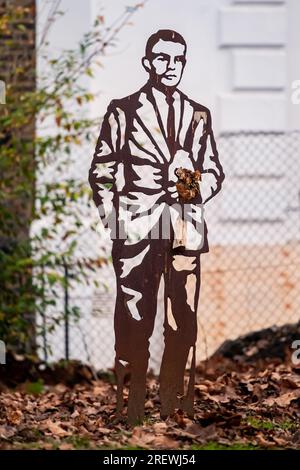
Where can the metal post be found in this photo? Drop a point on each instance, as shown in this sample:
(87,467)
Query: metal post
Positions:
(44,331)
(66,289)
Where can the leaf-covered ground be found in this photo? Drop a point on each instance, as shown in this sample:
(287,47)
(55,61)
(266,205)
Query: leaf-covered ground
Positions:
(238,406)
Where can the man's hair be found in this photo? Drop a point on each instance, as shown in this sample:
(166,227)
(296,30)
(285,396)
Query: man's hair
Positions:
(165,35)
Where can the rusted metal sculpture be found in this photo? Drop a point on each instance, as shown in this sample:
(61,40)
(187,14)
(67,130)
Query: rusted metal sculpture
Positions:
(155,166)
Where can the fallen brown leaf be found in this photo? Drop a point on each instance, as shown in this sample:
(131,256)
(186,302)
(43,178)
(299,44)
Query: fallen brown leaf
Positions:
(56,429)
(14,417)
(283,400)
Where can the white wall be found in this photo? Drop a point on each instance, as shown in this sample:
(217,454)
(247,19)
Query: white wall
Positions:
(204,75)
(242,58)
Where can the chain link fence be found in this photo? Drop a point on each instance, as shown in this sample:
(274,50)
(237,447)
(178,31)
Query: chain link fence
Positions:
(250,277)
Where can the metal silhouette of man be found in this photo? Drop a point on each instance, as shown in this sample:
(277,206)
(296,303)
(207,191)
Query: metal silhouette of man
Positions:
(144,138)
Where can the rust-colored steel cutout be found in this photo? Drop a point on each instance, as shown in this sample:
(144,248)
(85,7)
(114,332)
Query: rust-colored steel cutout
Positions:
(154,168)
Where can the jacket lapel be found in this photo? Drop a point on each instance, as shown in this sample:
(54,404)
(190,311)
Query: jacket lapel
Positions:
(152,121)
(149,118)
(187,114)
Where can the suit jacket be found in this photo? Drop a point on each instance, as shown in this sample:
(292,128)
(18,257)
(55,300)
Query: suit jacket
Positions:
(133,169)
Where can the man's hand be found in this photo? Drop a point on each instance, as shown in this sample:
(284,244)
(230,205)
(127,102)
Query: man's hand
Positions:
(182,158)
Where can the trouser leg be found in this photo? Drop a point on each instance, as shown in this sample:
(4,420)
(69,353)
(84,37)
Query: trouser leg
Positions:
(182,287)
(135,311)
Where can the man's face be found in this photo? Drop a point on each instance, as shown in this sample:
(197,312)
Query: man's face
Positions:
(167,62)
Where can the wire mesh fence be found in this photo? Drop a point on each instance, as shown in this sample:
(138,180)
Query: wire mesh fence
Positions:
(250,279)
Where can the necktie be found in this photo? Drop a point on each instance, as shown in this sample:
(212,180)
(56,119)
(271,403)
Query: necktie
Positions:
(171,125)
